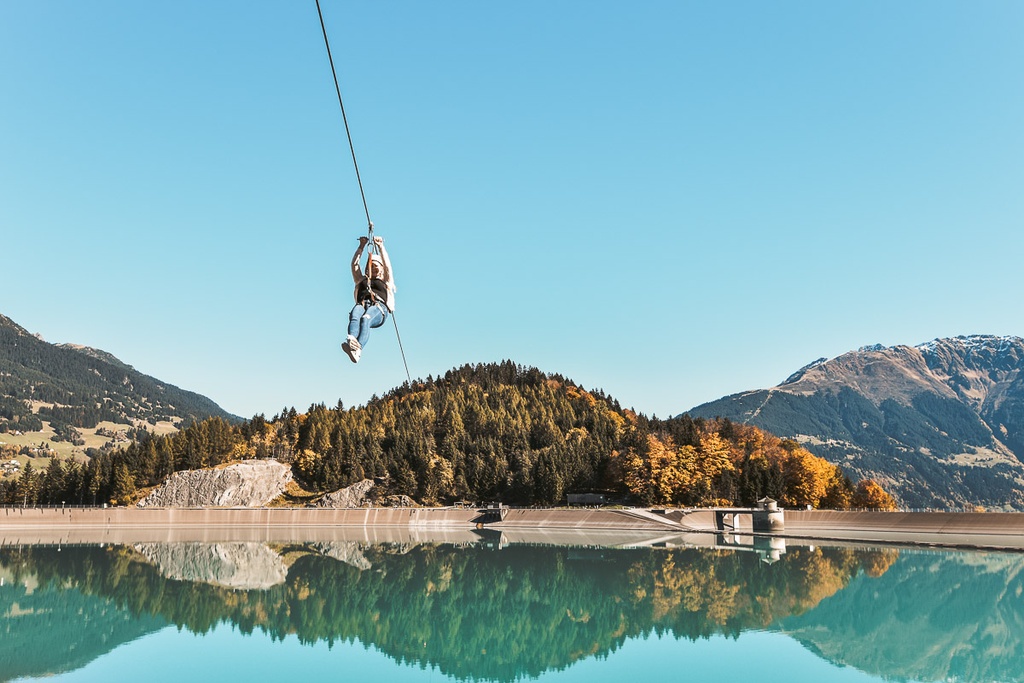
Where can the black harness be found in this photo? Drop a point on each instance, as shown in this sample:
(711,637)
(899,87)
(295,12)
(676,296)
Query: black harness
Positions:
(375,291)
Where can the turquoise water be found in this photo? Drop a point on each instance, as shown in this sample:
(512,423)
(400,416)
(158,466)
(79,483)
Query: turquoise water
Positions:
(494,611)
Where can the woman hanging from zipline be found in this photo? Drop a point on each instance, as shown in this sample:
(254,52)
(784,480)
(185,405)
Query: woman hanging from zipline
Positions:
(374,295)
(375,285)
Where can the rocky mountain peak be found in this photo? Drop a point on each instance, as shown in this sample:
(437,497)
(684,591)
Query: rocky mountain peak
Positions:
(897,372)
(977,367)
(987,347)
(941,423)
(7,322)
(971,368)
(798,375)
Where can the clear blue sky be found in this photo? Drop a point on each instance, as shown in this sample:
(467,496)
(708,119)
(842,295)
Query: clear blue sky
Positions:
(671,201)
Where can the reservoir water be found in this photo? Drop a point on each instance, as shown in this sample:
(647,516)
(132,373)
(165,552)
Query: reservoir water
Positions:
(484,606)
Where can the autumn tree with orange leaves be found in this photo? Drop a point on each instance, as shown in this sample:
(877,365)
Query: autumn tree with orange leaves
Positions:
(872,496)
(719,463)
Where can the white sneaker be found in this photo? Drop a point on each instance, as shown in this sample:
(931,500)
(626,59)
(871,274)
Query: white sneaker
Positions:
(352,348)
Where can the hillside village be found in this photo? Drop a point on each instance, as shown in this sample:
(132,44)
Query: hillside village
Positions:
(18,448)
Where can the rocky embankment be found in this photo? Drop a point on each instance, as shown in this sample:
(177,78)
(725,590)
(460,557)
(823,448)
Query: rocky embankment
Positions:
(251,483)
(354,496)
(360,495)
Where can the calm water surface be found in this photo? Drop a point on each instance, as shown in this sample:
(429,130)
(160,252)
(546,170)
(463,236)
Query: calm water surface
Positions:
(487,609)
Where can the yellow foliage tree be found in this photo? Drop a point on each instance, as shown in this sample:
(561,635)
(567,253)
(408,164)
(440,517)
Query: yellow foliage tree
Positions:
(808,478)
(704,465)
(839,492)
(872,496)
(305,463)
(655,476)
(715,455)
(666,477)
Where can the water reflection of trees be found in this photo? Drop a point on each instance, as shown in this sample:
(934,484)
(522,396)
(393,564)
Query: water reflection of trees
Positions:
(931,617)
(476,612)
(48,630)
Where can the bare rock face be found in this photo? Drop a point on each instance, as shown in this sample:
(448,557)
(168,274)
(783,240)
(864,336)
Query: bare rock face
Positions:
(245,566)
(251,483)
(353,496)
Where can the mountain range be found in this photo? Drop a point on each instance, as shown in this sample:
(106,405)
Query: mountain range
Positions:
(73,387)
(940,424)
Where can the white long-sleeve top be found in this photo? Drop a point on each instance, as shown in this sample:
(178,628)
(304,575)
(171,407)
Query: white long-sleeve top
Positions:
(382,288)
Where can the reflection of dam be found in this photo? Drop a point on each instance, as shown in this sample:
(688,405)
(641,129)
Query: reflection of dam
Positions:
(769,548)
(765,518)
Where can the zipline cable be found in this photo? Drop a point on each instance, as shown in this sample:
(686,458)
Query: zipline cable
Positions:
(348,133)
(359,180)
(395,321)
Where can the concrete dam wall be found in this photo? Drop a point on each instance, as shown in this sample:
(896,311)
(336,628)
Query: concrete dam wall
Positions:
(988,530)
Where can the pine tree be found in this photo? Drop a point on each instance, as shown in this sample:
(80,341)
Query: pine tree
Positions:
(27,489)
(124,485)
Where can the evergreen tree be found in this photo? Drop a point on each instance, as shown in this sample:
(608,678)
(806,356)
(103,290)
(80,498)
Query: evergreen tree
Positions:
(124,485)
(27,490)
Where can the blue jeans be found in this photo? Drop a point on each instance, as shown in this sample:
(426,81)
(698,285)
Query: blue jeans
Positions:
(364,318)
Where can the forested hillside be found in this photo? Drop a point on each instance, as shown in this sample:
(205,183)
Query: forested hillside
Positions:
(78,387)
(496,432)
